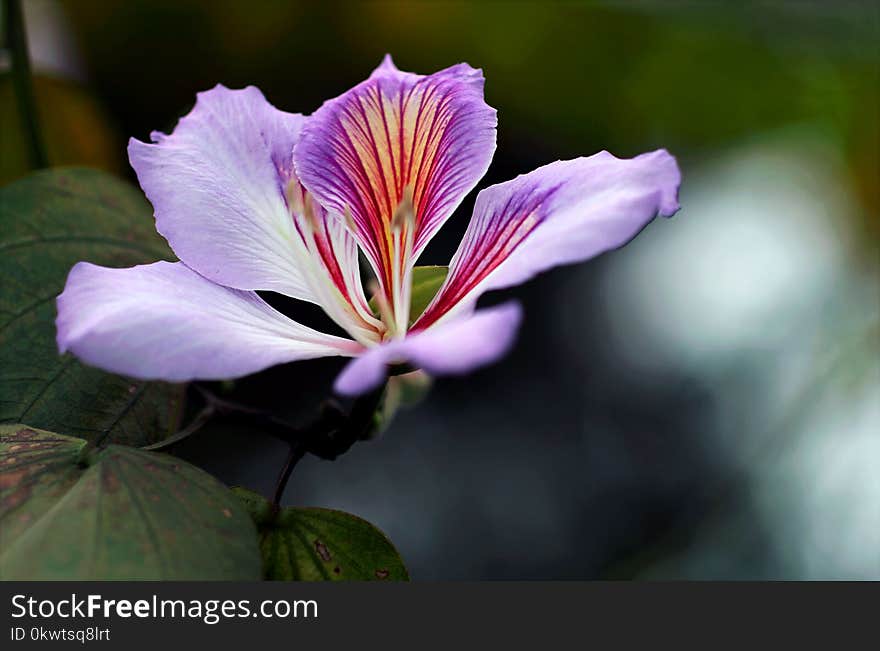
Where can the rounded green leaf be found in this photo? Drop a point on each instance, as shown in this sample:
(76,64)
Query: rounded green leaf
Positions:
(68,511)
(48,222)
(312,544)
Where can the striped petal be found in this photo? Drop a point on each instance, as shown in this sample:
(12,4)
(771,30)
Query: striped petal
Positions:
(564,212)
(397,138)
(222,184)
(331,268)
(165,321)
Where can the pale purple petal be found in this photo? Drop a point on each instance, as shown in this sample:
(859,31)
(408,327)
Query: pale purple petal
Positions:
(564,212)
(165,321)
(217,185)
(451,348)
(359,152)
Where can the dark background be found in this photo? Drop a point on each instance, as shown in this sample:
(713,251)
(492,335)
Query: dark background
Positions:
(704,403)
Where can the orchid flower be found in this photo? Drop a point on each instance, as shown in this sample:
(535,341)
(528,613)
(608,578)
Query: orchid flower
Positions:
(252,198)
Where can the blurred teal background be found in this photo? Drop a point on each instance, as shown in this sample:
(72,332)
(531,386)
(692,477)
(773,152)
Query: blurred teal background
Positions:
(704,403)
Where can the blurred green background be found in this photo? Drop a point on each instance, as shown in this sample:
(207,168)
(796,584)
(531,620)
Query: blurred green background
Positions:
(704,403)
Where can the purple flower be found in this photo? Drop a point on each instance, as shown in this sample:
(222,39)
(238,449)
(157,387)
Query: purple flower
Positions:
(251,198)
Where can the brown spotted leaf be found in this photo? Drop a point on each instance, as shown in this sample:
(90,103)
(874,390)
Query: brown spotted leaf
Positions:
(48,222)
(71,512)
(311,544)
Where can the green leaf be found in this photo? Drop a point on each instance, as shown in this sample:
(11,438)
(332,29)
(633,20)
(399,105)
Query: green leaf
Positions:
(71,512)
(425,283)
(48,222)
(311,544)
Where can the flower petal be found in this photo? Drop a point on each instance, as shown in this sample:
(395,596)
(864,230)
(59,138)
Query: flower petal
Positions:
(165,321)
(227,200)
(452,348)
(217,185)
(564,212)
(361,151)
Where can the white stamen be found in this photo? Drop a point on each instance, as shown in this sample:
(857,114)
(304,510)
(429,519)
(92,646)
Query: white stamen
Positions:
(403,225)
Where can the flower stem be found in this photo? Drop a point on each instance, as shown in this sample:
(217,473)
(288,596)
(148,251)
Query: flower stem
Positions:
(297,451)
(16,42)
(331,434)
